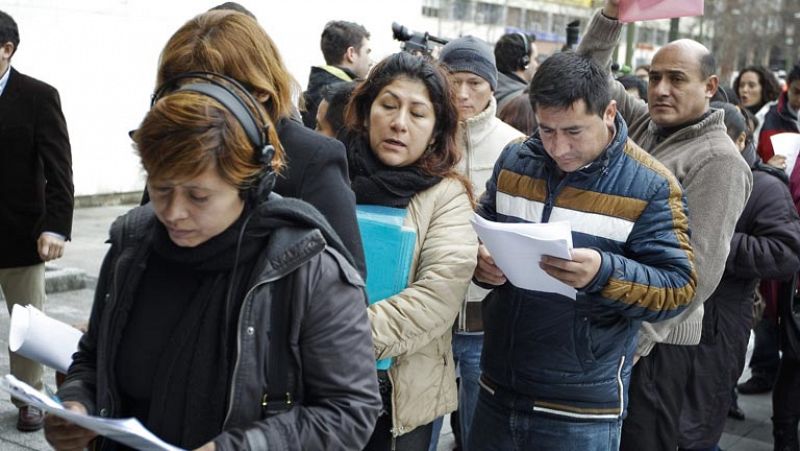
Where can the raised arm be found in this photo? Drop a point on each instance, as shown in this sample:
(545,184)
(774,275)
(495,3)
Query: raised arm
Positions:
(598,43)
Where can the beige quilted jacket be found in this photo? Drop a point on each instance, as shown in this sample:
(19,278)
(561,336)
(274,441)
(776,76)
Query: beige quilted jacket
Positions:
(414,327)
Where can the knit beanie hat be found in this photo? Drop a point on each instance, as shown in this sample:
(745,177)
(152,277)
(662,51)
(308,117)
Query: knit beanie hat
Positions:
(470,54)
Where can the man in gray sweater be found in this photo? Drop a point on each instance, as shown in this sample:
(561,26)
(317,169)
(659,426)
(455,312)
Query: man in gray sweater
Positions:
(677,127)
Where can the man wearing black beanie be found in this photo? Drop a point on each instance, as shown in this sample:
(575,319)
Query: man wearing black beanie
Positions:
(481,137)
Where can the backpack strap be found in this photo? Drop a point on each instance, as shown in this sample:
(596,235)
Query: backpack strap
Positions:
(131,227)
(281,393)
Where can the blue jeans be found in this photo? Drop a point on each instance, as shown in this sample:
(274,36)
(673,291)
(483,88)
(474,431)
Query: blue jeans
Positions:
(500,428)
(467,355)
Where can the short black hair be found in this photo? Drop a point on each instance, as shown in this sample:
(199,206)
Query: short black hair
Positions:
(725,94)
(8,31)
(338,36)
(233,6)
(634,82)
(338,96)
(566,77)
(794,74)
(510,49)
(708,65)
(734,120)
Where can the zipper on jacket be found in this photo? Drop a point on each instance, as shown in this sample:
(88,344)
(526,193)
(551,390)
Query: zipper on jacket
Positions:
(552,193)
(468,151)
(239,337)
(620,386)
(394,430)
(513,327)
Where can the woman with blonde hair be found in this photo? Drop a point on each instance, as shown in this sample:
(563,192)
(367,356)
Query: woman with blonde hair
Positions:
(235,45)
(225,317)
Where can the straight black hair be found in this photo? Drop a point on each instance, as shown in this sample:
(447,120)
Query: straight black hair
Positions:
(8,31)
(565,78)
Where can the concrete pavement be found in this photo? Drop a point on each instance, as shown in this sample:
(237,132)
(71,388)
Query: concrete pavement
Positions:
(82,261)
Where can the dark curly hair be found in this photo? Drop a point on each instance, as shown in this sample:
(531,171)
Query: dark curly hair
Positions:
(770,88)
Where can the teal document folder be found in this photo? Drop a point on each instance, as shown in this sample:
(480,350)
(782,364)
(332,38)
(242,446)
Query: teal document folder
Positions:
(388,249)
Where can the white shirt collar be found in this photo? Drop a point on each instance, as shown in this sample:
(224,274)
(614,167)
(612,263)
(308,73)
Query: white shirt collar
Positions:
(4,79)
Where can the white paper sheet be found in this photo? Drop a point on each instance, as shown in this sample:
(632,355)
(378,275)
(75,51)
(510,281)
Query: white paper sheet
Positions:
(127,431)
(34,335)
(788,145)
(517,249)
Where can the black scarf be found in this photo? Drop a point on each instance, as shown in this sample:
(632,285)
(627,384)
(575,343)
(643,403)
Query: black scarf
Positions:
(754,109)
(190,399)
(377,184)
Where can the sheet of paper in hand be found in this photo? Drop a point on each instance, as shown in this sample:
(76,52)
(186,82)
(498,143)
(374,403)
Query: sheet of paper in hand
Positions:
(517,249)
(788,145)
(128,431)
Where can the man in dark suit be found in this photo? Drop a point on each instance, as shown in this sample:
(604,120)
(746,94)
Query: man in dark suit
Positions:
(36,195)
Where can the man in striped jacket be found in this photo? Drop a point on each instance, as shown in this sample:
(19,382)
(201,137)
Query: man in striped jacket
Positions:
(556,371)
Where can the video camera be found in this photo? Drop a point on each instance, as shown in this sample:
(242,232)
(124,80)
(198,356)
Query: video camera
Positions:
(416,43)
(573,30)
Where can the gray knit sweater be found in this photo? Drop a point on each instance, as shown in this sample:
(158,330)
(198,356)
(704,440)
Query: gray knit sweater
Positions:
(716,180)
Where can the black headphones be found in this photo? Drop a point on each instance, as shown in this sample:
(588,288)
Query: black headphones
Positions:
(526,58)
(241,104)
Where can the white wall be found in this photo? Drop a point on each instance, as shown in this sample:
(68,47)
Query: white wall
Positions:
(101,55)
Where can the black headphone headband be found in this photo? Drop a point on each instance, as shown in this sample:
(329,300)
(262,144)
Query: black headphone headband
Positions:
(525,44)
(242,105)
(222,92)
(525,59)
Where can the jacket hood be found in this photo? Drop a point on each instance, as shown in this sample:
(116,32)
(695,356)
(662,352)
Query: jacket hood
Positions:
(294,225)
(508,86)
(295,230)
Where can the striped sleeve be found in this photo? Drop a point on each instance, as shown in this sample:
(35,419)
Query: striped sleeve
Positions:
(655,278)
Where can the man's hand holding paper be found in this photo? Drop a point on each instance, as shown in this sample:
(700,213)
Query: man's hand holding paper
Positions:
(513,251)
(487,271)
(578,272)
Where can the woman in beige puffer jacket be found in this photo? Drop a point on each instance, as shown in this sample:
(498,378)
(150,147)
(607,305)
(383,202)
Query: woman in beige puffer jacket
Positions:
(402,153)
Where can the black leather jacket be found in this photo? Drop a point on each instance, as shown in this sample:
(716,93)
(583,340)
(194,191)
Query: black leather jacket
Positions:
(329,337)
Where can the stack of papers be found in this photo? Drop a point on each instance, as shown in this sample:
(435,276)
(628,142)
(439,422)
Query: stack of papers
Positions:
(517,249)
(128,431)
(388,250)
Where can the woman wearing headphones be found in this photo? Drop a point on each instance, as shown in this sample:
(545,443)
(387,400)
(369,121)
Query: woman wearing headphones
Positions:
(234,44)
(216,293)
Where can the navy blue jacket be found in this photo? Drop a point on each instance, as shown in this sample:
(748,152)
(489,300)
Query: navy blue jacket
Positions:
(573,358)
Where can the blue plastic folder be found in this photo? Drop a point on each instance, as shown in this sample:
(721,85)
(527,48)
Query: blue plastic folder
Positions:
(388,249)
